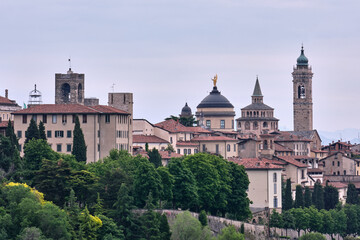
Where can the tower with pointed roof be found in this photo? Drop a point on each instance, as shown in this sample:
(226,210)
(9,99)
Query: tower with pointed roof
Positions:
(302,94)
(257,118)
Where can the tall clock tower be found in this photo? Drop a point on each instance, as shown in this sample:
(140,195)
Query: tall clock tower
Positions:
(302,99)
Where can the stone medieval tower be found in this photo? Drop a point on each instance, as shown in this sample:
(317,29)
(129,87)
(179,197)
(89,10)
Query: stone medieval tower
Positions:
(302,89)
(69,88)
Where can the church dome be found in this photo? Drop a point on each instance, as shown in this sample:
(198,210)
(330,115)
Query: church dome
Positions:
(215,100)
(186,111)
(302,59)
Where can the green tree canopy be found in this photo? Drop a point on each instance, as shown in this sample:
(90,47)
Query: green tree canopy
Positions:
(299,197)
(307,197)
(331,197)
(42,134)
(155,157)
(318,196)
(230,233)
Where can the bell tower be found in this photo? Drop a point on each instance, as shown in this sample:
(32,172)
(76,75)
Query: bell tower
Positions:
(69,88)
(302,98)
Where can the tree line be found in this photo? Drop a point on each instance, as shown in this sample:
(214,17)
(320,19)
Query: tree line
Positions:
(96,200)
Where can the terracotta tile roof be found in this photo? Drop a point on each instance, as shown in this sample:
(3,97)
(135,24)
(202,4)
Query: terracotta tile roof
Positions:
(172,126)
(319,151)
(254,163)
(4,124)
(311,170)
(282,136)
(108,109)
(186,143)
(212,138)
(166,155)
(281,148)
(198,130)
(291,160)
(6,101)
(68,108)
(148,139)
(336,184)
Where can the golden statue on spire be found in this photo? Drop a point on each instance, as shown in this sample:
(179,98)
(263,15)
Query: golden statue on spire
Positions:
(215,80)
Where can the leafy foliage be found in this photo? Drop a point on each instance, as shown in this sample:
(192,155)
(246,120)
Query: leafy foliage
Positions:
(288,201)
(79,146)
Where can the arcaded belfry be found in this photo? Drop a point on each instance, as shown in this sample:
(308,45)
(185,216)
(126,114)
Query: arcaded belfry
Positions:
(215,112)
(303,106)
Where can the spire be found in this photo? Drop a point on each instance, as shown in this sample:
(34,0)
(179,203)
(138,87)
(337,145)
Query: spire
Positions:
(257,89)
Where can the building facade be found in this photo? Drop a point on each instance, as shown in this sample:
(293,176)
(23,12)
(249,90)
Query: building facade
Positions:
(104,127)
(69,87)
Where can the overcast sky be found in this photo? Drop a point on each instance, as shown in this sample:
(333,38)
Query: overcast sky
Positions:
(166,52)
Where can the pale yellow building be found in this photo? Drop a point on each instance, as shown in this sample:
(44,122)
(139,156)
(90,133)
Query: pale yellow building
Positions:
(104,127)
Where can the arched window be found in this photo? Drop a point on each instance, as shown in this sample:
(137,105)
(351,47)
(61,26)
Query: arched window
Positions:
(80,93)
(65,92)
(265,124)
(265,144)
(255,125)
(301,91)
(247,125)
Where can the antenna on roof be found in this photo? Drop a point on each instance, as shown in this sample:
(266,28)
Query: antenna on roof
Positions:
(69,60)
(113,87)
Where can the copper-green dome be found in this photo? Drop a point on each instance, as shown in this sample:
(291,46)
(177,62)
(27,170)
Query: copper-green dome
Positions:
(302,60)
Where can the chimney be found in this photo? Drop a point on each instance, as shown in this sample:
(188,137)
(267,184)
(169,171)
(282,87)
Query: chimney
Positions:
(6,93)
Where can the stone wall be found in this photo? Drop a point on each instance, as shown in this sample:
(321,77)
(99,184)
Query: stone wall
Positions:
(252,231)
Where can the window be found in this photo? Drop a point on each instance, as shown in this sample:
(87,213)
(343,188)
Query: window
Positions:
(275,202)
(19,134)
(255,125)
(338,164)
(19,148)
(73,118)
(68,133)
(234,147)
(68,147)
(59,134)
(333,163)
(171,141)
(99,133)
(274,177)
(203,148)
(48,134)
(344,172)
(107,118)
(24,118)
(99,147)
(54,118)
(247,125)
(58,147)
(302,174)
(222,124)
(196,151)
(217,148)
(64,119)
(265,125)
(228,147)
(44,118)
(275,188)
(34,117)
(208,123)
(178,151)
(189,151)
(185,151)
(232,124)
(84,118)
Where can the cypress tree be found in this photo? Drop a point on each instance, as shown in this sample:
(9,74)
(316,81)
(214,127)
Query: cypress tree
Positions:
(288,201)
(10,133)
(299,198)
(331,197)
(32,131)
(164,228)
(79,147)
(352,194)
(318,196)
(155,157)
(203,218)
(307,197)
(42,134)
